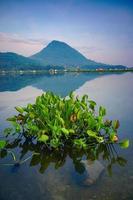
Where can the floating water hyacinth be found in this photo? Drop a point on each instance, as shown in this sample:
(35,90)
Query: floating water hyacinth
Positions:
(56,122)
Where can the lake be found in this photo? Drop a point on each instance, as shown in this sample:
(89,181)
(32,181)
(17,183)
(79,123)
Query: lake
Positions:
(67,175)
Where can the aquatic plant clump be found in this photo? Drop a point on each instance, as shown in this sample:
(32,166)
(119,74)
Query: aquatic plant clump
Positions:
(56,122)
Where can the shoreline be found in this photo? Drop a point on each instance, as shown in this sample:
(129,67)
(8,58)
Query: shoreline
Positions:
(55,71)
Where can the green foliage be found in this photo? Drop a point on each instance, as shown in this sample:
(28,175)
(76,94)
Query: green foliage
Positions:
(116,124)
(19,109)
(56,121)
(102,111)
(94,135)
(2,144)
(80,143)
(43,138)
(124,144)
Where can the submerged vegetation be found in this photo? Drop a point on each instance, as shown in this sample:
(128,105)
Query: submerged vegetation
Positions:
(38,154)
(57,122)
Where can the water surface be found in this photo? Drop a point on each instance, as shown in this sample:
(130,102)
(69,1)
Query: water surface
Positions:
(62,176)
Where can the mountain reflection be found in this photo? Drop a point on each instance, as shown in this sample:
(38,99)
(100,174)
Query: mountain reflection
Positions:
(61,83)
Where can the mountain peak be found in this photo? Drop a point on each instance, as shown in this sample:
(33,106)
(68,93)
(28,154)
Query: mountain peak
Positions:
(56,43)
(61,54)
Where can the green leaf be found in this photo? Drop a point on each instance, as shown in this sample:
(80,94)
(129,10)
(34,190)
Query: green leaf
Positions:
(116,124)
(33,127)
(100,139)
(38,100)
(102,111)
(11,119)
(2,144)
(65,131)
(31,115)
(124,144)
(84,106)
(80,143)
(19,109)
(112,135)
(71,95)
(43,138)
(29,106)
(54,143)
(71,131)
(92,104)
(16,126)
(108,123)
(84,97)
(61,120)
(91,133)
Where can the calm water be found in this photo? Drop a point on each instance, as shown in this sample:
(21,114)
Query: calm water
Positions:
(64,175)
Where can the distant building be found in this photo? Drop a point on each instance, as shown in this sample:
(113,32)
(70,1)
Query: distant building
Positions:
(100,69)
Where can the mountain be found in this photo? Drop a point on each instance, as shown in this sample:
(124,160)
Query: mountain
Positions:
(60,53)
(13,61)
(57,55)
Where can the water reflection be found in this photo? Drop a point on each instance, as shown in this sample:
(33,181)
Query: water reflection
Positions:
(61,83)
(91,162)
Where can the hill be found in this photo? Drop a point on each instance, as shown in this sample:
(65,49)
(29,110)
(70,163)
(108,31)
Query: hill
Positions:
(57,55)
(13,61)
(60,53)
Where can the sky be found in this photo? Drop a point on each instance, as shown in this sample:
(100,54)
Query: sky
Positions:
(102,30)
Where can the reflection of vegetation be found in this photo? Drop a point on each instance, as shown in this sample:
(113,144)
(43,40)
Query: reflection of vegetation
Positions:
(56,121)
(40,155)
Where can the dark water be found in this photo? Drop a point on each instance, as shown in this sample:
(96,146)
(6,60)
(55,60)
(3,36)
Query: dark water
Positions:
(63,175)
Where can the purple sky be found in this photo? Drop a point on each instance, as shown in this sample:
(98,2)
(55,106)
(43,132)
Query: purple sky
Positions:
(101,30)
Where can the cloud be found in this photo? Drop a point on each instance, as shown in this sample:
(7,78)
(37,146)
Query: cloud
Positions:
(90,49)
(17,39)
(18,44)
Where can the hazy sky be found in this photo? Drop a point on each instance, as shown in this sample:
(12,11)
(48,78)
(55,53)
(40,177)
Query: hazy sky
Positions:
(100,29)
